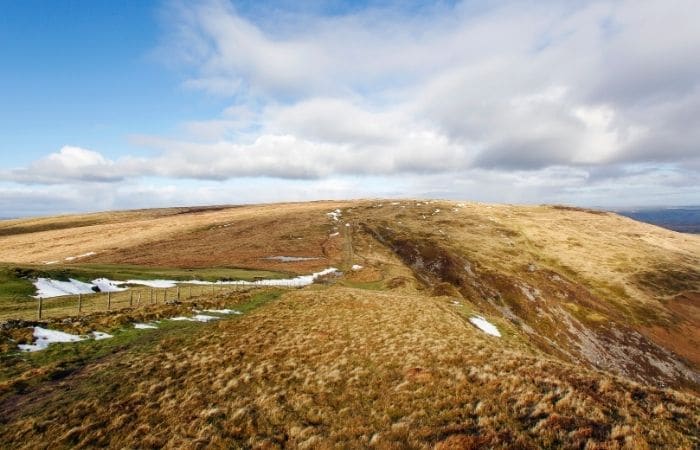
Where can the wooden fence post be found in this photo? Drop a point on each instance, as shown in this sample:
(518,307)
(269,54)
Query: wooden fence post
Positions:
(131,298)
(41,301)
(109,301)
(138,299)
(178,293)
(80,303)
(150,299)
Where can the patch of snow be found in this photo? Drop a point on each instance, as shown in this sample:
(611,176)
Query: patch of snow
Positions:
(204,318)
(291,258)
(223,311)
(485,326)
(50,262)
(333,234)
(44,337)
(347,224)
(159,284)
(356,267)
(46,287)
(99,335)
(145,326)
(334,215)
(106,285)
(182,319)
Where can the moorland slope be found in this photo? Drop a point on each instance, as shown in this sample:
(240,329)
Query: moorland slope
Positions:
(599,318)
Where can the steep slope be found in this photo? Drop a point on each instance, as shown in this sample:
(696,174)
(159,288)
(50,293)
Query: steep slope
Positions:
(586,286)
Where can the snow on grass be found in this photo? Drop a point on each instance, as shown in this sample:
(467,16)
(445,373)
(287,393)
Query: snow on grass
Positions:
(195,318)
(356,267)
(106,285)
(485,326)
(84,255)
(44,337)
(47,287)
(334,234)
(50,262)
(291,258)
(334,215)
(223,311)
(205,318)
(145,326)
(158,284)
(99,335)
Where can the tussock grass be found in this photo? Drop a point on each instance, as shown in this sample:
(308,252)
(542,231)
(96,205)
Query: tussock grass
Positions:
(347,368)
(384,357)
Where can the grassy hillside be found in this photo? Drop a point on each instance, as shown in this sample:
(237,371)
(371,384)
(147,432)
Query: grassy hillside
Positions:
(347,368)
(599,318)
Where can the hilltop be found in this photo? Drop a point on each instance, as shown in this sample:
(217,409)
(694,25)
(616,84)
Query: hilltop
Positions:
(598,318)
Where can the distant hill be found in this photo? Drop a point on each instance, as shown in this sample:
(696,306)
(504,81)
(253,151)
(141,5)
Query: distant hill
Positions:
(685,220)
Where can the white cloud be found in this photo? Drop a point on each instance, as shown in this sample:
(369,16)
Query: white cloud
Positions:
(68,164)
(511,99)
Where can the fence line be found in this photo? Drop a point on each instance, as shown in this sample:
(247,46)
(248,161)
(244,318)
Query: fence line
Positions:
(87,303)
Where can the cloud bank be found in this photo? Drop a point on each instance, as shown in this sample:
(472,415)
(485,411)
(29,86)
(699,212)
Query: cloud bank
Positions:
(561,101)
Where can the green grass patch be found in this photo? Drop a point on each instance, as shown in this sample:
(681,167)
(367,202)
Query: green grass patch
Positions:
(87,272)
(61,359)
(16,287)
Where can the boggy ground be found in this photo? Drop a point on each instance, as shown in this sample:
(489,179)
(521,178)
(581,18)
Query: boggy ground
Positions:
(337,367)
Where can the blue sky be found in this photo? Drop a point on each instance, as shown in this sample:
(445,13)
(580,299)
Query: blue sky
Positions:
(110,105)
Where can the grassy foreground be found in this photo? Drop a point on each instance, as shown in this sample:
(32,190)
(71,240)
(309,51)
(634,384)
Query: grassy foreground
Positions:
(340,367)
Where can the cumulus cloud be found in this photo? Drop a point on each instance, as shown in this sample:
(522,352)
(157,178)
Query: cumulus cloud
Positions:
(524,99)
(68,164)
(527,86)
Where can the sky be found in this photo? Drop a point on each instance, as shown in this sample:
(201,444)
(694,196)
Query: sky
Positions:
(117,105)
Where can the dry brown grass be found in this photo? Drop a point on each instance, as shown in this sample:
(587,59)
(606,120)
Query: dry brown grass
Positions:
(616,300)
(384,356)
(348,368)
(231,237)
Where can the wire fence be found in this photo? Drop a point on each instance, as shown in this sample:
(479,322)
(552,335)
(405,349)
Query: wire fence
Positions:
(134,297)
